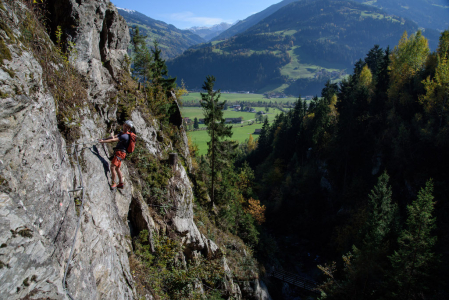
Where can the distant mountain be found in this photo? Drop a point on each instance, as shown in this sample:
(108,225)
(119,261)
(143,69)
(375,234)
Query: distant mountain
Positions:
(295,49)
(209,33)
(172,41)
(252,20)
(427,13)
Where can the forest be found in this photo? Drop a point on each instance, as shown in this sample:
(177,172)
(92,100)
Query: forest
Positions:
(360,176)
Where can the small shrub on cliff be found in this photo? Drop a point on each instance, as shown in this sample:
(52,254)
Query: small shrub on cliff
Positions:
(164,273)
(153,174)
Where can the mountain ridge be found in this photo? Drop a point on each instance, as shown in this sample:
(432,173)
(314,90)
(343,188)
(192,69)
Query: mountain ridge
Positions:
(209,32)
(426,13)
(172,40)
(301,45)
(243,25)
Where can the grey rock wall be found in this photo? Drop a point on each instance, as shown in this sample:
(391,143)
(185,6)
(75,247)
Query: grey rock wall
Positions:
(38,215)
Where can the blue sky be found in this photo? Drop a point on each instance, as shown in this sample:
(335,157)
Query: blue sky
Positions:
(188,13)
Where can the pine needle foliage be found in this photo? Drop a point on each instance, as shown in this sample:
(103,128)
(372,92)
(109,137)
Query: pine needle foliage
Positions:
(216,128)
(415,256)
(382,213)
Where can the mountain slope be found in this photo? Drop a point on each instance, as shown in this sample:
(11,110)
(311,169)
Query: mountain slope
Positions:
(297,48)
(172,41)
(209,33)
(427,13)
(252,20)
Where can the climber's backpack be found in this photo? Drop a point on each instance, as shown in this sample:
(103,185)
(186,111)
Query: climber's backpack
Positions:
(132,142)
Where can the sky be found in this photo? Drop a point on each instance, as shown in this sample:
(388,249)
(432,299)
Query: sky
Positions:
(188,13)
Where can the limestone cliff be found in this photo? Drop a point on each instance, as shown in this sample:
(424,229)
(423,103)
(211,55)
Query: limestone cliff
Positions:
(38,214)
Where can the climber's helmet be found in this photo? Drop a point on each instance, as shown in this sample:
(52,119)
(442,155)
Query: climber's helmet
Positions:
(130,124)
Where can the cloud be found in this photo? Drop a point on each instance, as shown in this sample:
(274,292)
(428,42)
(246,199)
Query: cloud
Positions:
(187,16)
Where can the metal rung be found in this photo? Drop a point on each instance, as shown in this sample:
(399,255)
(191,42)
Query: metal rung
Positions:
(76,190)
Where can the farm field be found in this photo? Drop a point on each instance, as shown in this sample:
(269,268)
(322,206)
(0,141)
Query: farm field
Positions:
(240,133)
(197,112)
(232,97)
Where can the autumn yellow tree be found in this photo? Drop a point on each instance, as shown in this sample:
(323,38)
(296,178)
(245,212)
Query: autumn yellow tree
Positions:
(407,59)
(437,88)
(251,143)
(366,77)
(256,210)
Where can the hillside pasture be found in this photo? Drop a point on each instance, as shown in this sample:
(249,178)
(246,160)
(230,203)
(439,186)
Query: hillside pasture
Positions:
(240,134)
(237,97)
(240,131)
(197,112)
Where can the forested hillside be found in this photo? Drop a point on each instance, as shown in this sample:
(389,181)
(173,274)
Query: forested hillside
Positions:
(359,177)
(295,50)
(172,41)
(252,20)
(427,13)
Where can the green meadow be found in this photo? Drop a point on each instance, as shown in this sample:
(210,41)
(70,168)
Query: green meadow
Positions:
(197,112)
(241,132)
(233,97)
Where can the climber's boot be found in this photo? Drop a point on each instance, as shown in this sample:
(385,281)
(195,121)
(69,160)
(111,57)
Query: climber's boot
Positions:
(120,185)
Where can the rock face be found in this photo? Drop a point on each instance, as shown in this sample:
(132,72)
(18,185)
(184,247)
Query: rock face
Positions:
(38,214)
(37,169)
(101,39)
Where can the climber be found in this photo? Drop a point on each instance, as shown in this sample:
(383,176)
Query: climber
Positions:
(123,139)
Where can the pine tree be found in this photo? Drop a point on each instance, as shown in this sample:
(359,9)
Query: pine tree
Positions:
(195,123)
(216,128)
(137,39)
(381,215)
(374,59)
(142,60)
(159,70)
(413,261)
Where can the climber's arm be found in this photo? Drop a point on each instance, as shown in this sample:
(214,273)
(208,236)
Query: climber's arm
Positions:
(109,140)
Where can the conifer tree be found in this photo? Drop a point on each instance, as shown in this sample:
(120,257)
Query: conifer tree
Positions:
(216,128)
(374,59)
(412,262)
(142,60)
(159,70)
(195,123)
(381,215)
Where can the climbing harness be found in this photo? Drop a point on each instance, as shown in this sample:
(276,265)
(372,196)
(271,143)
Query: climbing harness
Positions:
(79,188)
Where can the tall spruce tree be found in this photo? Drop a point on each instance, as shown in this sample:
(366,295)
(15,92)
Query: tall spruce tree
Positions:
(195,123)
(159,70)
(216,128)
(381,215)
(142,58)
(412,262)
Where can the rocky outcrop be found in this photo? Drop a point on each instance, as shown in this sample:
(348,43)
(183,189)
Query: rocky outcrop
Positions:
(255,289)
(38,170)
(101,39)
